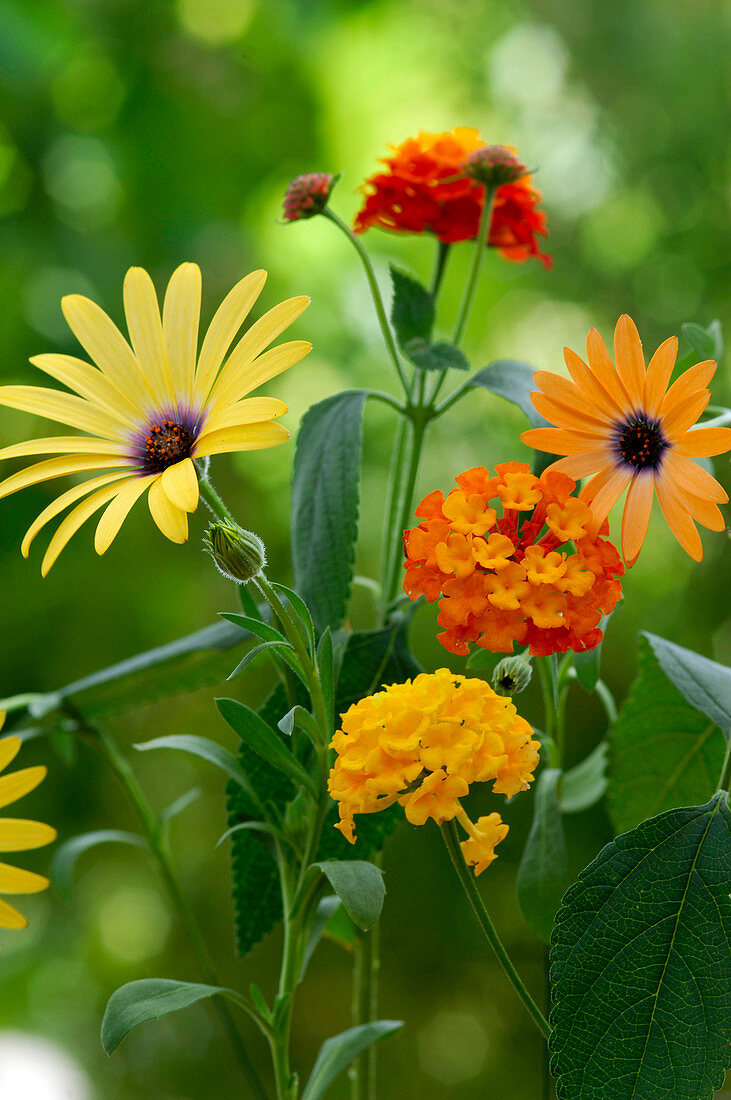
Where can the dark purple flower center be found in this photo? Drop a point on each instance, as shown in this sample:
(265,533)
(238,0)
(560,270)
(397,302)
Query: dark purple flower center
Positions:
(640,442)
(165,443)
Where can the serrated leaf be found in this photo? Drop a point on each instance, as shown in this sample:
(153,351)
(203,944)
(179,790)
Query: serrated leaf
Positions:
(641,983)
(150,999)
(325,499)
(67,854)
(439,356)
(359,885)
(543,872)
(704,683)
(585,784)
(412,309)
(263,740)
(663,752)
(513,380)
(339,1051)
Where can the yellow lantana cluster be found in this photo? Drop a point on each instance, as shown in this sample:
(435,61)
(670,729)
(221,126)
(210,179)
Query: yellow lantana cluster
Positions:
(422,744)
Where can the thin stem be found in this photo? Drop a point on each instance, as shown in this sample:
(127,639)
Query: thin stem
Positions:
(390,547)
(724,783)
(544,674)
(367,963)
(439,269)
(466,877)
(214,501)
(375,293)
(156,839)
(478,256)
(415,444)
(547,1089)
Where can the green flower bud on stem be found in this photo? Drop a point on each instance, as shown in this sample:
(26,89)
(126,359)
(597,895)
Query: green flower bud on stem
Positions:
(512,674)
(240,555)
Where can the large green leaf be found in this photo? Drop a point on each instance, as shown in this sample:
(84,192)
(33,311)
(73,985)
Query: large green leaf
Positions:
(663,752)
(359,885)
(641,982)
(325,498)
(412,309)
(543,872)
(704,683)
(339,1051)
(513,380)
(137,1002)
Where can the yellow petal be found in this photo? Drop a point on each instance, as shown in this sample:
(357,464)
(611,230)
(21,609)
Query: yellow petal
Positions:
(115,513)
(17,835)
(180,485)
(15,785)
(252,410)
(65,408)
(13,880)
(145,332)
(261,333)
(227,321)
(91,384)
(180,319)
(10,917)
(60,504)
(57,467)
(252,437)
(73,521)
(64,444)
(9,749)
(97,333)
(234,385)
(172,521)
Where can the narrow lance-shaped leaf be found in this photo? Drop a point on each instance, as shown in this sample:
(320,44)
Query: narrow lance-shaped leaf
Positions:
(338,1052)
(66,855)
(359,885)
(641,983)
(137,1002)
(325,498)
(704,683)
(585,784)
(260,737)
(543,873)
(203,748)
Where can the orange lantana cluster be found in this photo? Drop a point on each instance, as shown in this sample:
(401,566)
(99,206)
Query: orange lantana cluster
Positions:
(513,578)
(427,189)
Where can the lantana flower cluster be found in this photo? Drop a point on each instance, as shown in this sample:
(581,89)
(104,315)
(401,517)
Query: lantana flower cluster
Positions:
(509,578)
(421,744)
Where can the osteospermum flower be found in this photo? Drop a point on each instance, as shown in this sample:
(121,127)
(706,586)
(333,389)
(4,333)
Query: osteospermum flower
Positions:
(151,406)
(17,835)
(621,424)
(515,577)
(422,744)
(428,189)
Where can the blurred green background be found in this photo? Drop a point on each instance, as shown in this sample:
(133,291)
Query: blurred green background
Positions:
(151,133)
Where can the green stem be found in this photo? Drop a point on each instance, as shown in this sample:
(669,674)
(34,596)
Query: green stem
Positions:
(415,443)
(391,547)
(158,845)
(724,783)
(467,878)
(375,293)
(544,675)
(361,1013)
(478,256)
(439,269)
(214,501)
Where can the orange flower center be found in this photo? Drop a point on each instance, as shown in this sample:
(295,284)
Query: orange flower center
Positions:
(641,443)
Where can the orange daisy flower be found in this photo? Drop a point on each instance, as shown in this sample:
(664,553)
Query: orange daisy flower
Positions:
(623,425)
(427,190)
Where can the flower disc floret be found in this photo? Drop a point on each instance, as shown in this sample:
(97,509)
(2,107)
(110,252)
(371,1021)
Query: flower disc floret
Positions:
(541,574)
(422,743)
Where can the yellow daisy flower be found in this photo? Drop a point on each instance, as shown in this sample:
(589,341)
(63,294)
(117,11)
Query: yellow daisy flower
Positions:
(151,406)
(17,835)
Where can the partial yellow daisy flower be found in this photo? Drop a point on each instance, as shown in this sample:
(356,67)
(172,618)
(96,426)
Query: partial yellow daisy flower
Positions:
(151,405)
(17,835)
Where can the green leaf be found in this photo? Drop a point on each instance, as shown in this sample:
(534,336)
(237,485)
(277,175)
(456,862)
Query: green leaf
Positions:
(543,872)
(663,752)
(704,683)
(325,498)
(254,626)
(262,739)
(179,805)
(641,985)
(707,343)
(412,309)
(341,928)
(585,784)
(205,749)
(339,1051)
(257,651)
(439,356)
(150,999)
(326,909)
(513,380)
(359,885)
(66,855)
(587,664)
(301,613)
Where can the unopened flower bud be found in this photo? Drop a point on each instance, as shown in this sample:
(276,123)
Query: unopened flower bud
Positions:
(512,675)
(238,554)
(494,164)
(308,195)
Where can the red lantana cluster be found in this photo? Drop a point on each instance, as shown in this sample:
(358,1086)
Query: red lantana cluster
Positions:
(427,188)
(513,578)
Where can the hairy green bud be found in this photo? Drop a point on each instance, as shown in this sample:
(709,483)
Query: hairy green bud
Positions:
(512,675)
(240,555)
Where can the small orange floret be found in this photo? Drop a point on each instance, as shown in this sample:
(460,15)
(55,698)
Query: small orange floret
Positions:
(523,582)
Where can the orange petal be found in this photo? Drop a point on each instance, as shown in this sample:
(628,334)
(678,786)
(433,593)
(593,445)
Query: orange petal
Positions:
(605,371)
(677,516)
(636,515)
(629,359)
(704,512)
(658,374)
(695,378)
(685,414)
(589,385)
(693,478)
(567,393)
(565,416)
(609,493)
(592,462)
(560,442)
(704,442)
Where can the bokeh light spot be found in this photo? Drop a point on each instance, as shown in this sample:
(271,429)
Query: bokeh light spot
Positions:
(81,177)
(216,21)
(453,1047)
(133,924)
(621,232)
(35,1068)
(87,93)
(528,64)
